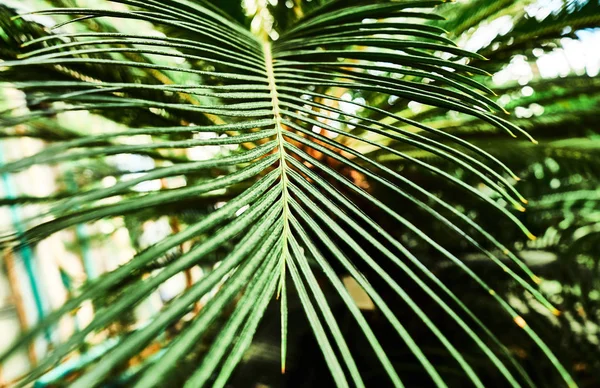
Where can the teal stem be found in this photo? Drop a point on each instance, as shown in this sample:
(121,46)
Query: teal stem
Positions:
(58,374)
(26,252)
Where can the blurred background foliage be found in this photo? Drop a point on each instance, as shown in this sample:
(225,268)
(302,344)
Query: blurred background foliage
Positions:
(544,62)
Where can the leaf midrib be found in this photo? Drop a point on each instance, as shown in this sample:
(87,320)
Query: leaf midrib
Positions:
(282,158)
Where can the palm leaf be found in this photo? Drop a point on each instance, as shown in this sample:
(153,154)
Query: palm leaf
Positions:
(277,101)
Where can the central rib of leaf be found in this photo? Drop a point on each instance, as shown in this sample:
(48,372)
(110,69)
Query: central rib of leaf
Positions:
(282,154)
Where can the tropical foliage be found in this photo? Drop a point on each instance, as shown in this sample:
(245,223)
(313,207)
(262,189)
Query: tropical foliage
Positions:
(306,145)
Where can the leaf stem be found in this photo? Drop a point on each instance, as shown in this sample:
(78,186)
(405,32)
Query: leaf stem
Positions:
(284,194)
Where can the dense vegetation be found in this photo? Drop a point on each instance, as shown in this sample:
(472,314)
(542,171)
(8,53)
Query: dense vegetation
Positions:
(377,193)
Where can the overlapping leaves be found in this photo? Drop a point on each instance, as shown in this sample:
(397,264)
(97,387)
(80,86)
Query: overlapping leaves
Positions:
(280,103)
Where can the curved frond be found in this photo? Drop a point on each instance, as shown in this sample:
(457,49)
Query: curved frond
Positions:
(294,170)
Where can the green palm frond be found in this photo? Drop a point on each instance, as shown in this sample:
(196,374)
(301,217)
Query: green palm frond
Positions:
(470,14)
(294,214)
(573,16)
(561,179)
(535,25)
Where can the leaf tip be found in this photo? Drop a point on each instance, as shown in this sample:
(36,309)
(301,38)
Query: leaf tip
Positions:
(520,321)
